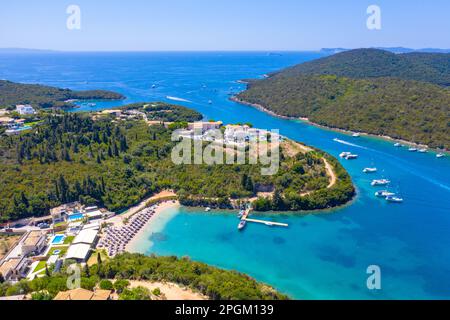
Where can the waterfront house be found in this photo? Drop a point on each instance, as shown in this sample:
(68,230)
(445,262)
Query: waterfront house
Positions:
(25,109)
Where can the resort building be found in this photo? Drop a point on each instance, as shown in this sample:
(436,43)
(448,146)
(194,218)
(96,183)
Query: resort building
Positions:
(60,213)
(33,243)
(87,236)
(83,294)
(14,269)
(204,126)
(25,109)
(82,244)
(93,213)
(79,252)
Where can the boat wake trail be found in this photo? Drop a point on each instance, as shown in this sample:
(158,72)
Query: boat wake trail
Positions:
(349,143)
(177,99)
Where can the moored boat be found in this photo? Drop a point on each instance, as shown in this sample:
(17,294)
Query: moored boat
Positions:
(394,199)
(412,149)
(370,170)
(423,150)
(356,135)
(208,209)
(345,154)
(397,145)
(440,155)
(384,194)
(242,224)
(380,182)
(351,157)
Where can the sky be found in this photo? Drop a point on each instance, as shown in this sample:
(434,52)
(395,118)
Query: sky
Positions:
(165,25)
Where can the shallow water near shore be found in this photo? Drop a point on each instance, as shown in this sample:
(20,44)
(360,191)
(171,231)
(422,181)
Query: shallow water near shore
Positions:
(321,256)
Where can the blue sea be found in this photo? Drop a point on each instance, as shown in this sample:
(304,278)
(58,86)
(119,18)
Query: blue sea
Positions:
(320,256)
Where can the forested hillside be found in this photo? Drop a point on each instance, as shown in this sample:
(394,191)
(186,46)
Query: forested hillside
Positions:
(117,163)
(39,96)
(365,90)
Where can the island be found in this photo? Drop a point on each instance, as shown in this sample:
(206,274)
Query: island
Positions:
(402,96)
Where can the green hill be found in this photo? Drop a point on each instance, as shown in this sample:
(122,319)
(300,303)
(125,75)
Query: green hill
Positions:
(365,90)
(41,96)
(375,63)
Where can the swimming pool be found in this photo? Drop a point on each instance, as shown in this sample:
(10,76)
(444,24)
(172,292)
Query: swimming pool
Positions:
(58,239)
(75,217)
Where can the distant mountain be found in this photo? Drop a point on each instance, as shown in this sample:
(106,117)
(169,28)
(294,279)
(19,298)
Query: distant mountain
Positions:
(375,63)
(24,50)
(405,96)
(390,49)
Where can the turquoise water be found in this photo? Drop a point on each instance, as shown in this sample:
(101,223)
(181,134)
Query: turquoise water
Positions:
(75,217)
(58,239)
(318,256)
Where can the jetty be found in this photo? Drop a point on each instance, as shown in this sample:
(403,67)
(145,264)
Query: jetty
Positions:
(245,217)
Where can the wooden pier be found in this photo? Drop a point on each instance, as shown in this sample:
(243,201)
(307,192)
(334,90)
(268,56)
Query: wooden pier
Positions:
(267,223)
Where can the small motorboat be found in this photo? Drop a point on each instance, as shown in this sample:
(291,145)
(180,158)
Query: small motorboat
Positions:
(241,214)
(423,150)
(397,145)
(345,154)
(370,170)
(412,149)
(208,209)
(356,135)
(380,182)
(351,157)
(210,102)
(394,199)
(440,155)
(242,224)
(384,194)
(154,86)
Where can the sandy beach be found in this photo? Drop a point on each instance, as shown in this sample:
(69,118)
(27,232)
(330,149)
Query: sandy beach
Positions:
(171,291)
(118,220)
(160,209)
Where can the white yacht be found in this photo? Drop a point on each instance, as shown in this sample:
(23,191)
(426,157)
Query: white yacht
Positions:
(370,170)
(208,209)
(397,145)
(440,155)
(345,154)
(412,149)
(423,150)
(380,182)
(356,135)
(384,194)
(394,199)
(351,157)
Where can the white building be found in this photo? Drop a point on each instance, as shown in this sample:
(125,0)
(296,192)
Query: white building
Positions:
(79,252)
(34,242)
(87,236)
(202,127)
(25,109)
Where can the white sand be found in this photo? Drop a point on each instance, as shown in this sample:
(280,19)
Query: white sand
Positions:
(162,208)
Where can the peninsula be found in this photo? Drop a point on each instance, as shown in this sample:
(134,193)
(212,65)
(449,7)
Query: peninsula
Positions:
(403,96)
